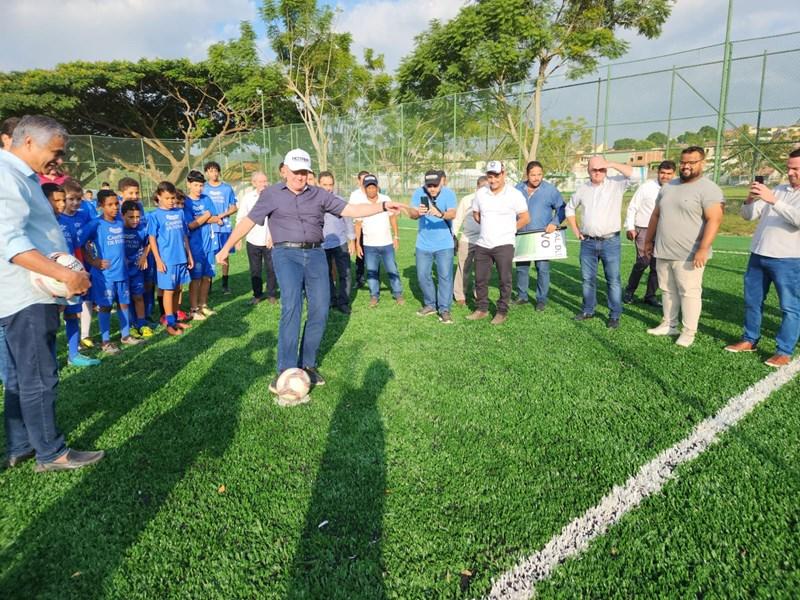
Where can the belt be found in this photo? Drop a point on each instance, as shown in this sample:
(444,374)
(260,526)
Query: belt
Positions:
(600,238)
(302,245)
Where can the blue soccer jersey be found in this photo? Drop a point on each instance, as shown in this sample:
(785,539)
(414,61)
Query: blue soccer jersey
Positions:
(201,240)
(109,244)
(87,210)
(135,243)
(223,197)
(70,233)
(169,228)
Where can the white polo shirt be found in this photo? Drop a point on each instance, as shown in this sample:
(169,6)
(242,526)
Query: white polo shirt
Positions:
(258,235)
(602,206)
(377,229)
(498,213)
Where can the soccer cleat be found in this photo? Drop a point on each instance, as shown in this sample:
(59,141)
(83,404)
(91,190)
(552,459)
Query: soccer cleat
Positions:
(209,312)
(87,343)
(135,333)
(426,311)
(743,346)
(131,341)
(181,316)
(446,318)
(663,329)
(163,320)
(777,361)
(316,378)
(146,331)
(80,360)
(174,330)
(109,348)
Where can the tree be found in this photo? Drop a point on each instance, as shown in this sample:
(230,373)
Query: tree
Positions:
(318,68)
(625,144)
(658,139)
(562,144)
(154,101)
(493,43)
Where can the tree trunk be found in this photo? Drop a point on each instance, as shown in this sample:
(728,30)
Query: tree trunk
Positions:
(537,110)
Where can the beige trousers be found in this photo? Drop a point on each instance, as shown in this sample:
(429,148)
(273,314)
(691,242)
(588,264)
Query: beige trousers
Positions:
(466,263)
(681,286)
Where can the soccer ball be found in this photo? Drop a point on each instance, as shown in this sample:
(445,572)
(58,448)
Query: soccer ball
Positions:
(51,286)
(293,386)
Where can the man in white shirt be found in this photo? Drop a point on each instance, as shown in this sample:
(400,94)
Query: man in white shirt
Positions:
(774,259)
(500,209)
(259,244)
(466,243)
(601,199)
(636,221)
(380,240)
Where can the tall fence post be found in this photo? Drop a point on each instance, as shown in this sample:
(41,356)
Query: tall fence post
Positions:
(94,161)
(669,116)
(144,163)
(605,109)
(758,118)
(723,96)
(596,116)
(402,150)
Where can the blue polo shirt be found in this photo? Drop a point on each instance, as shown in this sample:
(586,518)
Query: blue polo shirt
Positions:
(545,206)
(434,234)
(27,223)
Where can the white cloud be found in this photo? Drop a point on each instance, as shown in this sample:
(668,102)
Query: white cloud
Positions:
(389,26)
(44,33)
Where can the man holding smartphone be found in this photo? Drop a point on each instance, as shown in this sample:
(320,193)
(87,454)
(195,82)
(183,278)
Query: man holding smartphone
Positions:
(774,259)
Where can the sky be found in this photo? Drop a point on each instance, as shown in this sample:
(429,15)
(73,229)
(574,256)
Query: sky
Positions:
(43,33)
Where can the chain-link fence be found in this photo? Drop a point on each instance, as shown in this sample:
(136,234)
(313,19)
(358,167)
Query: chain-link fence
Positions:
(656,105)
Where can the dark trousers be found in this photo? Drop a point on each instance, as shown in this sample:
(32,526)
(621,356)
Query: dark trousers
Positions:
(502,257)
(360,269)
(640,266)
(260,258)
(340,257)
(32,383)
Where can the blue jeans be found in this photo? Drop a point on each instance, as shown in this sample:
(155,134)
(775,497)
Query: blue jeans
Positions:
(785,274)
(607,252)
(3,355)
(373,255)
(542,280)
(444,273)
(32,383)
(301,270)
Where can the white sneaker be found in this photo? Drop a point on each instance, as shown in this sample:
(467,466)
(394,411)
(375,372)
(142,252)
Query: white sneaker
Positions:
(197,315)
(663,329)
(685,340)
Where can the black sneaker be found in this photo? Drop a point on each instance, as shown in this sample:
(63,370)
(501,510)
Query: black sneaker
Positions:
(226,291)
(582,316)
(316,378)
(627,297)
(653,301)
(273,385)
(613,324)
(446,318)
(540,306)
(519,302)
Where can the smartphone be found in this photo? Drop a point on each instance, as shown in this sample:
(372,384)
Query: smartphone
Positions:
(424,201)
(759,179)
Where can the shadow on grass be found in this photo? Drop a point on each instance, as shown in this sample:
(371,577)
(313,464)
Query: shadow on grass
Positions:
(89,530)
(339,552)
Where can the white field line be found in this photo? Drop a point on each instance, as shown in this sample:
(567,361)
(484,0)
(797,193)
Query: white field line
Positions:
(520,581)
(571,241)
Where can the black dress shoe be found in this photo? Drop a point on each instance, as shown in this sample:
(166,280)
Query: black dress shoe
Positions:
(582,316)
(344,309)
(74,459)
(653,302)
(627,297)
(15,461)
(613,324)
(315,376)
(540,306)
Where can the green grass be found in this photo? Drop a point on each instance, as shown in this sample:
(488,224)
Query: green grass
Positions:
(432,451)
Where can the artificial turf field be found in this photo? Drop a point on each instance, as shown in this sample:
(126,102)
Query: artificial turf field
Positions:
(433,460)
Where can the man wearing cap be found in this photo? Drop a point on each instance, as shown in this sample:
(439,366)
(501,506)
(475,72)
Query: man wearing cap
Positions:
(379,233)
(500,210)
(601,199)
(434,207)
(546,208)
(296,214)
(466,242)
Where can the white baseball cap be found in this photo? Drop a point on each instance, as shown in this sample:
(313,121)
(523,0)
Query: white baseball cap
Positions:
(494,166)
(297,160)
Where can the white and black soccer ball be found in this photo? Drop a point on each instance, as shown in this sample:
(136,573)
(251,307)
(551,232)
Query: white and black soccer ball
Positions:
(293,387)
(51,286)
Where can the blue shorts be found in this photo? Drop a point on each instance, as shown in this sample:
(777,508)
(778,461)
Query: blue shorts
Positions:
(73,309)
(222,239)
(174,278)
(203,266)
(136,283)
(105,293)
(150,271)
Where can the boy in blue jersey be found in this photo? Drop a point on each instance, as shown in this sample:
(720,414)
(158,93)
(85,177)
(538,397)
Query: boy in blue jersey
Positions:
(57,197)
(224,200)
(109,272)
(128,190)
(169,243)
(137,249)
(81,212)
(200,214)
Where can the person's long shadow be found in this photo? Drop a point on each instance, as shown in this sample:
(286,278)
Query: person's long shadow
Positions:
(339,553)
(89,530)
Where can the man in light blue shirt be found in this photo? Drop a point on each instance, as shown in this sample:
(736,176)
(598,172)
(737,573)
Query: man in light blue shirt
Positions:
(546,208)
(29,234)
(434,206)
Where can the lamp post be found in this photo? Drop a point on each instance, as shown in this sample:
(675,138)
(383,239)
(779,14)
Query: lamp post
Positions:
(260,93)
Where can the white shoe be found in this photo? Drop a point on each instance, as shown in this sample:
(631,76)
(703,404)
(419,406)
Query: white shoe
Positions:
(685,340)
(663,329)
(197,315)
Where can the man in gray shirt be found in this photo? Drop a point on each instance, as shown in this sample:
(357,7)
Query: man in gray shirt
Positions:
(682,228)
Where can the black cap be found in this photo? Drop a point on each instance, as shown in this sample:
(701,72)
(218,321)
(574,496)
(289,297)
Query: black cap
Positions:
(369,180)
(433,178)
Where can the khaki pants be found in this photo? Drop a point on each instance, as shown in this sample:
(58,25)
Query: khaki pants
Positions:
(681,286)
(466,262)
